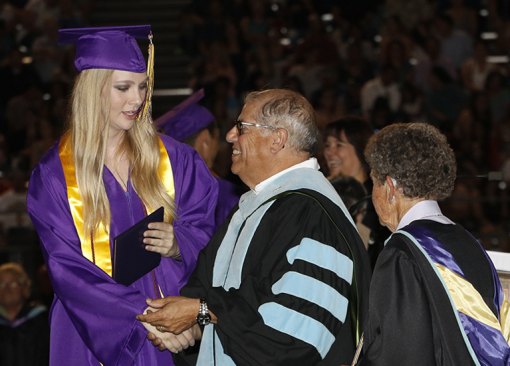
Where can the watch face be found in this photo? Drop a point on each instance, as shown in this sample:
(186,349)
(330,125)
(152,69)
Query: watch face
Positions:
(203,319)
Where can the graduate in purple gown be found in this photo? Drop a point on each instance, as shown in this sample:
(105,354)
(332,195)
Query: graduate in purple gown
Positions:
(195,125)
(105,174)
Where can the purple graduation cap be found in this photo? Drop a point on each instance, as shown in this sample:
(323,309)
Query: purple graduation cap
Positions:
(186,119)
(107,47)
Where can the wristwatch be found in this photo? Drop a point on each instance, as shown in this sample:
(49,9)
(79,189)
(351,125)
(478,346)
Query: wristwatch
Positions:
(203,316)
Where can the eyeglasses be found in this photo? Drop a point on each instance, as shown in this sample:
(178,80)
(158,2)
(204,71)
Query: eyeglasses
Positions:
(11,285)
(240,125)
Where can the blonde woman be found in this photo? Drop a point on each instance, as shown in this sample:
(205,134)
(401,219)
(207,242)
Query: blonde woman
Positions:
(108,171)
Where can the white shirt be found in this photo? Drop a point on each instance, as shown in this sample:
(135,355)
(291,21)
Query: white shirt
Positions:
(311,163)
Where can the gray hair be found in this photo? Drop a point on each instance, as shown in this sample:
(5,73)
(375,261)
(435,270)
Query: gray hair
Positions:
(291,111)
(417,155)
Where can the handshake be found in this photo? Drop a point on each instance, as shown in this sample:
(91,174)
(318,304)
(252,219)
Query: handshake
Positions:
(172,322)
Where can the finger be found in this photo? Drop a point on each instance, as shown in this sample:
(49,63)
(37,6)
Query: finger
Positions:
(160,302)
(183,340)
(172,344)
(155,234)
(151,318)
(157,249)
(161,226)
(188,334)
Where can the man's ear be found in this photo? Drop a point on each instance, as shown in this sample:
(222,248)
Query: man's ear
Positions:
(280,137)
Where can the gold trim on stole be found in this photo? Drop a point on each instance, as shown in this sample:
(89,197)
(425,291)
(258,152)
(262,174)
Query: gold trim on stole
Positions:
(467,299)
(505,319)
(98,250)
(165,173)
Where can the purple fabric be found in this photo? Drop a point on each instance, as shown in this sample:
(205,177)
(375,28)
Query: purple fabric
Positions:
(483,337)
(434,248)
(228,198)
(488,344)
(113,48)
(186,119)
(93,317)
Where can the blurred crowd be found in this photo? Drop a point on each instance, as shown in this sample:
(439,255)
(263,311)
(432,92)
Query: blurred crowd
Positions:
(445,62)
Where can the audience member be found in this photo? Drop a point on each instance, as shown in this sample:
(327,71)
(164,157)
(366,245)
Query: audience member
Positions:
(456,44)
(24,328)
(444,100)
(345,141)
(475,69)
(13,207)
(384,85)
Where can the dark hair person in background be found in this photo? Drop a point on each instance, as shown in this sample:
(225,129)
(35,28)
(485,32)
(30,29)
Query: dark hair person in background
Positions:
(344,143)
(435,297)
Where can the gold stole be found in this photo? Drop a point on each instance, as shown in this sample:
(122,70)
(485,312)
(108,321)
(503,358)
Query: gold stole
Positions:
(468,300)
(97,248)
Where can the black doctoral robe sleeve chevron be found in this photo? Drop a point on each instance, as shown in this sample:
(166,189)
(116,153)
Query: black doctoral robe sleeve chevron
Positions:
(304,277)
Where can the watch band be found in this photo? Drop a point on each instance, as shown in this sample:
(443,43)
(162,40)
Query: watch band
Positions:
(203,316)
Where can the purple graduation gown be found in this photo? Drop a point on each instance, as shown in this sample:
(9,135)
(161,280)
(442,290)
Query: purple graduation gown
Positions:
(92,317)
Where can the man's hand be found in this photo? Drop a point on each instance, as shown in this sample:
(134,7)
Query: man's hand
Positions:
(173,314)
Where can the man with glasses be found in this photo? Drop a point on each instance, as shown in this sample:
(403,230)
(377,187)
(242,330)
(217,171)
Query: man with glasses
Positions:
(285,279)
(24,328)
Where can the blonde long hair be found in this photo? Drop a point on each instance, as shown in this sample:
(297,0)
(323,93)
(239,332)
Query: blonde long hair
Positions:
(89,135)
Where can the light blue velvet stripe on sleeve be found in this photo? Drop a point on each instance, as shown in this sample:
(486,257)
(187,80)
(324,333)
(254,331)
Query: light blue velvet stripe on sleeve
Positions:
(324,256)
(297,325)
(313,290)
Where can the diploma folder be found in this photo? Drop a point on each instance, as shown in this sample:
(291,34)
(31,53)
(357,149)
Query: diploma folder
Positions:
(130,259)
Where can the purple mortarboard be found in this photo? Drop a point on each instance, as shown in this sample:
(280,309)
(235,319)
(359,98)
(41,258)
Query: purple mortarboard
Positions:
(186,119)
(112,48)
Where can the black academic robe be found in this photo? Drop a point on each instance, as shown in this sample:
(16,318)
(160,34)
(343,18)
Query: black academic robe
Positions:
(411,321)
(243,334)
(25,341)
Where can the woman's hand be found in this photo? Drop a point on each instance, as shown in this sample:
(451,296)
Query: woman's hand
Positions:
(173,342)
(159,238)
(172,314)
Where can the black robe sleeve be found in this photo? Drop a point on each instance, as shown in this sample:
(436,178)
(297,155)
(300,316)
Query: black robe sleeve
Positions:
(410,317)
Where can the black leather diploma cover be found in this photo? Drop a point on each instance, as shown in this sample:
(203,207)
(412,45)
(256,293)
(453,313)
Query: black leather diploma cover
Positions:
(130,259)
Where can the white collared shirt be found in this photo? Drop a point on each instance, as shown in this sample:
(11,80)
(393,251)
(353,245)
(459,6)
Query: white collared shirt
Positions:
(428,210)
(311,163)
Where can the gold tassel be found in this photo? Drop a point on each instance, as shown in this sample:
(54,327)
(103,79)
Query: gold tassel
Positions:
(147,107)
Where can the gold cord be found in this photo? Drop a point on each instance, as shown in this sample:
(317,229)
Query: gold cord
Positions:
(147,107)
